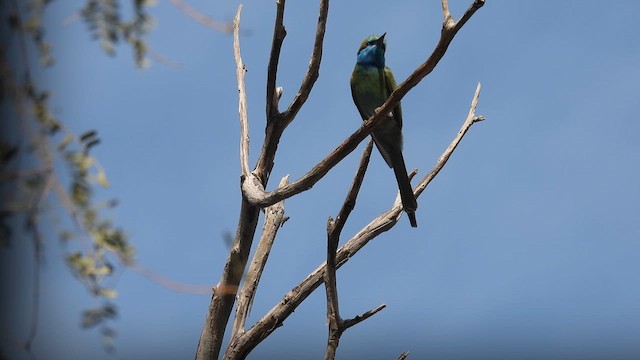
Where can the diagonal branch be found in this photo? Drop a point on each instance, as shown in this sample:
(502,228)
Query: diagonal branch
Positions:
(253,188)
(314,66)
(471,119)
(201,18)
(242,345)
(273,221)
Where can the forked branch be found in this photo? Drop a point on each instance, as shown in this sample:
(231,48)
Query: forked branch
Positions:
(242,345)
(252,187)
(274,218)
(334,227)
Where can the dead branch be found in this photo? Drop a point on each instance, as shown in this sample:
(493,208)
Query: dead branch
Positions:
(242,345)
(336,324)
(223,298)
(253,186)
(272,222)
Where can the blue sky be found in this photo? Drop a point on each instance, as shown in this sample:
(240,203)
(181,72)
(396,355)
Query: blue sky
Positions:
(528,243)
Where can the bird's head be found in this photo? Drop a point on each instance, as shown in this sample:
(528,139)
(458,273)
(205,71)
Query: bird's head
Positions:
(371,51)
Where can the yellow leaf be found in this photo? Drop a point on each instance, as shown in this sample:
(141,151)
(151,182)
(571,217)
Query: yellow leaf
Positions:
(102,179)
(108,293)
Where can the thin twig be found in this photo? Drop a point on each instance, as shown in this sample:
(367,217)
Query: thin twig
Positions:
(272,223)
(277,122)
(314,66)
(334,228)
(471,119)
(201,18)
(241,71)
(403,356)
(168,283)
(360,318)
(279,34)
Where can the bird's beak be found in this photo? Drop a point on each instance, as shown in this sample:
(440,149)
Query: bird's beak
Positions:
(381,38)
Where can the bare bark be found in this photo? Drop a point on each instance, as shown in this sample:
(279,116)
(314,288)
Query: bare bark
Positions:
(334,227)
(274,219)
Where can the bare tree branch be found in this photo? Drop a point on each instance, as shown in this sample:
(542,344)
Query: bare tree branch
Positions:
(253,188)
(314,66)
(403,356)
(224,293)
(350,200)
(360,318)
(201,18)
(273,220)
(277,122)
(334,228)
(223,297)
(471,119)
(279,34)
(241,71)
(243,344)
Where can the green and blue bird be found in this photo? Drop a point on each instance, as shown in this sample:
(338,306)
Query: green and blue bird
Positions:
(371,84)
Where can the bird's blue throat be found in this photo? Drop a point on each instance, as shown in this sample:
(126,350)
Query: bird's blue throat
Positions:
(371,55)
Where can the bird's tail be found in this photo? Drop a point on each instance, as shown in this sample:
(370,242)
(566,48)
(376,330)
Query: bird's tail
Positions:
(409,203)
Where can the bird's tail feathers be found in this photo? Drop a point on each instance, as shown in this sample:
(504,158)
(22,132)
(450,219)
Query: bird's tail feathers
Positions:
(409,203)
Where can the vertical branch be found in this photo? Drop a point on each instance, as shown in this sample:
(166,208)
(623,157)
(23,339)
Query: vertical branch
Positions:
(277,122)
(279,34)
(241,71)
(224,293)
(273,220)
(223,298)
(336,325)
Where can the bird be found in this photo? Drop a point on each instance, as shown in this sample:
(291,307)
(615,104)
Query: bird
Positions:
(371,84)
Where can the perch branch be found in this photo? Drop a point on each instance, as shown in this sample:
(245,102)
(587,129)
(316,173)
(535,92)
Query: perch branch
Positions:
(273,220)
(403,356)
(253,188)
(242,345)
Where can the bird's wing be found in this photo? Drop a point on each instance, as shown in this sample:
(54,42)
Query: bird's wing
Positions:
(357,98)
(391,85)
